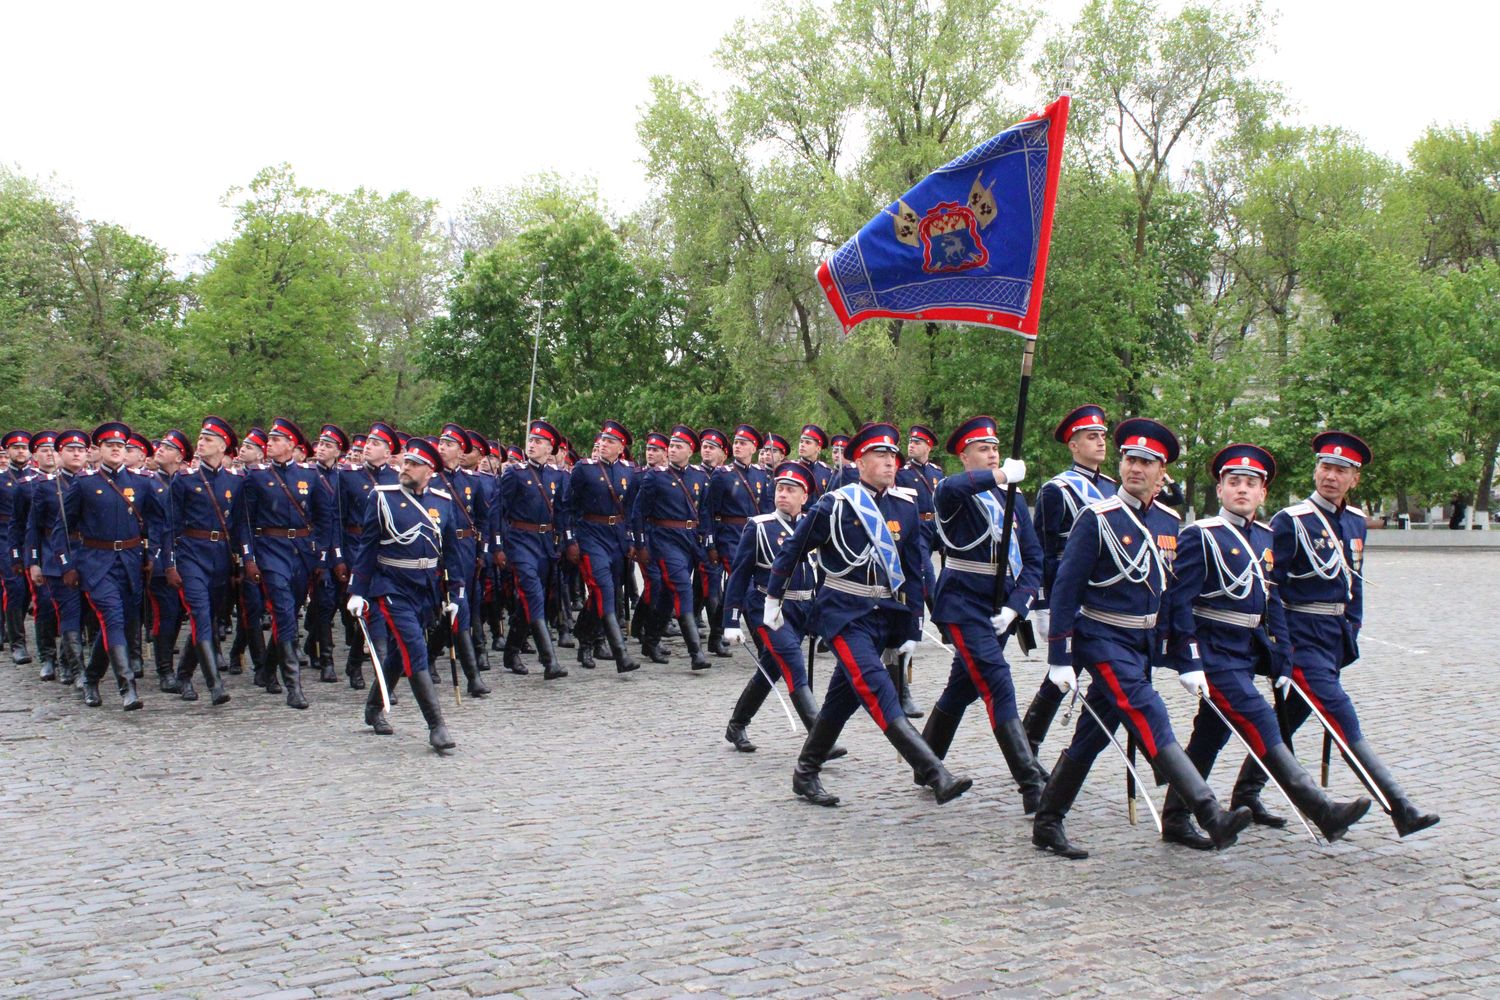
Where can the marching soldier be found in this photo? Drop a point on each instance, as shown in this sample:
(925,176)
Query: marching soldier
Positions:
(166,604)
(45,557)
(1105,601)
(1085,431)
(472,531)
(600,542)
(409,548)
(650,623)
(737,494)
(779,651)
(13,590)
(112,525)
(969,525)
(210,530)
(922,477)
(356,492)
(287,547)
(1318,566)
(670,519)
(249,632)
(322,605)
(533,499)
(1224,617)
(13,535)
(870,549)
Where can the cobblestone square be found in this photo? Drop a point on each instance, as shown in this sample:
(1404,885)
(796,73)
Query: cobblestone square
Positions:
(595,836)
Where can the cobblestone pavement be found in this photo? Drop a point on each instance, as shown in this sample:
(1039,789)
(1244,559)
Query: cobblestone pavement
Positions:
(596,836)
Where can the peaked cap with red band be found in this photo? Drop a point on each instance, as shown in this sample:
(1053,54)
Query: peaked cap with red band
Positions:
(44,439)
(1341,448)
(1088,417)
(288,429)
(459,436)
(384,432)
(875,437)
(175,438)
(779,443)
(794,472)
(712,435)
(975,430)
(817,433)
(15,437)
(656,439)
(422,450)
(685,434)
(219,428)
(840,441)
(257,437)
(1145,438)
(112,430)
(923,433)
(72,436)
(139,441)
(749,434)
(334,435)
(615,429)
(1244,459)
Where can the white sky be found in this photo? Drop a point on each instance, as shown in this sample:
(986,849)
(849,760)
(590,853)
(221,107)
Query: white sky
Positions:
(147,112)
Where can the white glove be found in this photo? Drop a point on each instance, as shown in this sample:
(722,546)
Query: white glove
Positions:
(907,648)
(733,636)
(773,617)
(358,606)
(1064,677)
(1283,683)
(1014,471)
(1003,620)
(450,611)
(1195,683)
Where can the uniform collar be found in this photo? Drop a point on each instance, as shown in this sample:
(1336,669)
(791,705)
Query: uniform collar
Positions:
(1317,498)
(1233,518)
(113,474)
(14,468)
(1092,475)
(877,494)
(1129,498)
(538,466)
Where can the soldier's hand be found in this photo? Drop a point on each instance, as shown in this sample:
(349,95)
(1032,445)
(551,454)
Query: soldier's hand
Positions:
(630,554)
(1064,677)
(713,555)
(70,578)
(572,555)
(643,556)
(341,572)
(1283,683)
(358,606)
(773,615)
(734,636)
(1014,470)
(1004,620)
(36,576)
(174,578)
(1194,682)
(252,571)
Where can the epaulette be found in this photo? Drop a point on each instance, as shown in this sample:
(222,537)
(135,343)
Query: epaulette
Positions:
(1265,525)
(1207,522)
(387,487)
(440,493)
(1169,510)
(907,493)
(588,461)
(763,518)
(1109,477)
(1357,512)
(1297,509)
(1108,503)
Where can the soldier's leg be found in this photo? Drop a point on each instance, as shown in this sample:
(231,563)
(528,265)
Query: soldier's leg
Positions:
(529,572)
(983,658)
(69,603)
(407,632)
(110,601)
(284,607)
(198,590)
(677,572)
(45,629)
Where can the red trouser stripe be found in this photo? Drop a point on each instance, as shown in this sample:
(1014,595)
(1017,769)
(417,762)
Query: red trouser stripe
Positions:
(786,671)
(400,643)
(103,629)
(1137,720)
(957,636)
(1301,679)
(861,686)
(187,609)
(666,579)
(1245,726)
(593,585)
(521,594)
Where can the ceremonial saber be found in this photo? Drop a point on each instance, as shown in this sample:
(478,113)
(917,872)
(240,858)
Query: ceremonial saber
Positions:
(1327,756)
(812,657)
(1155,816)
(1358,768)
(1262,765)
(1130,779)
(452,660)
(791,720)
(1279,697)
(385,694)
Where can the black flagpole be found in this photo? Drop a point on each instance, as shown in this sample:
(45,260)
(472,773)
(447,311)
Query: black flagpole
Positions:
(1003,563)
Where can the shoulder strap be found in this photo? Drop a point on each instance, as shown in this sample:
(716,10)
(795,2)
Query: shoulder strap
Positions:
(140,521)
(223,525)
(290,499)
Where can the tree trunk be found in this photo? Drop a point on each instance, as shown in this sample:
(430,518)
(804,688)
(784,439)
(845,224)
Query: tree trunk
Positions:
(1486,483)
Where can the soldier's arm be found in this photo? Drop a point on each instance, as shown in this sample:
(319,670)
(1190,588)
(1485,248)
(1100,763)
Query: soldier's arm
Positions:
(1176,625)
(1283,547)
(812,531)
(1073,572)
(1023,595)
(741,575)
(362,566)
(325,513)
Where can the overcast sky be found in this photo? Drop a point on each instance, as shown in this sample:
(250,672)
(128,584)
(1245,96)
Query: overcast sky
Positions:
(147,112)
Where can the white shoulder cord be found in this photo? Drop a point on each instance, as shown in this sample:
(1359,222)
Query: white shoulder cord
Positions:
(1132,569)
(836,539)
(1324,569)
(388,533)
(983,537)
(1235,586)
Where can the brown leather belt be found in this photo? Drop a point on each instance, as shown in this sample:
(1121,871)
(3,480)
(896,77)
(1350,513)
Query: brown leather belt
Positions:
(530,526)
(732,521)
(113,546)
(662,522)
(282,532)
(205,535)
(603,518)
(466,533)
(926,515)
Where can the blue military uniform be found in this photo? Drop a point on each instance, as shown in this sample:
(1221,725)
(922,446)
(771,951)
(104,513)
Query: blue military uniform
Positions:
(779,649)
(533,498)
(356,489)
(405,570)
(969,526)
(923,479)
(737,492)
(111,523)
(290,517)
(473,530)
(669,516)
(598,492)
(820,471)
(40,549)
(1318,552)
(322,606)
(1105,603)
(15,595)
(870,548)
